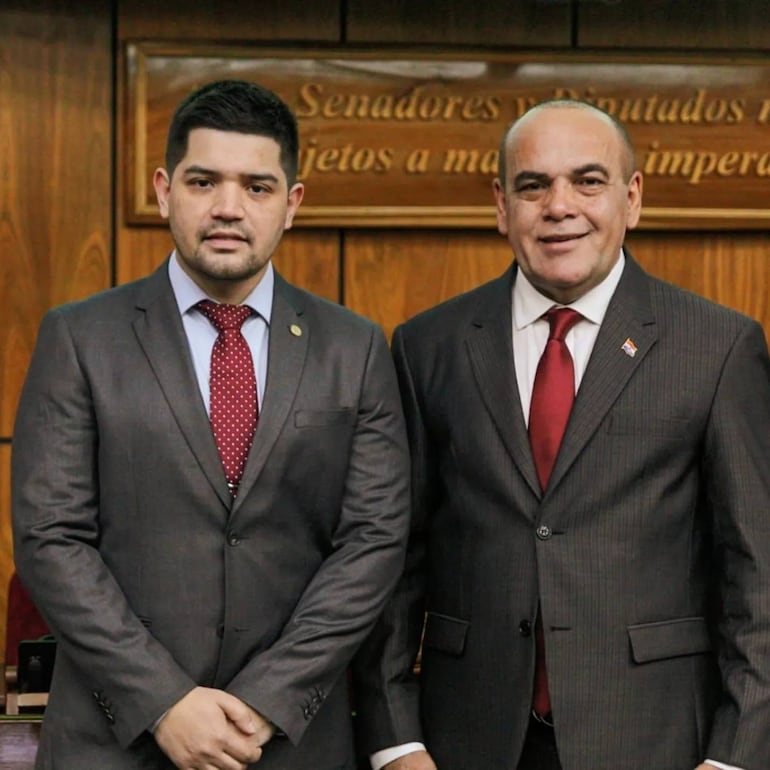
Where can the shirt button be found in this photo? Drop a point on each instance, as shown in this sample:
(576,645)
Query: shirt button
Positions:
(525,628)
(233,539)
(543,532)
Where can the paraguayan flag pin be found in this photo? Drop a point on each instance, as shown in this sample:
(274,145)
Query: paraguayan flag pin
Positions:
(628,347)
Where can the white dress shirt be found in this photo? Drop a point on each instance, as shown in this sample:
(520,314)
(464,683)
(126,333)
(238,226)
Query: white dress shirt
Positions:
(530,335)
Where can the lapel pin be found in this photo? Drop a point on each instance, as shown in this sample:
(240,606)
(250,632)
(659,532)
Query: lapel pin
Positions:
(295,330)
(629,348)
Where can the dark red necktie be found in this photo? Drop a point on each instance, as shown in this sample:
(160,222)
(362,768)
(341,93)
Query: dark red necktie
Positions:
(552,396)
(233,389)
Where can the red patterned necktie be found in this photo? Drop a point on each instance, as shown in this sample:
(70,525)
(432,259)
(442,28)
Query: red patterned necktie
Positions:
(233,389)
(552,396)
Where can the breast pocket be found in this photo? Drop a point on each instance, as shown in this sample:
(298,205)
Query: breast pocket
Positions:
(326,418)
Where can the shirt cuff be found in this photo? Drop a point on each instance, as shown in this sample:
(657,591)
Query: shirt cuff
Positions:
(381,758)
(722,765)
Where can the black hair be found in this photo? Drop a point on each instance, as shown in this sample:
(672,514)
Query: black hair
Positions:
(239,106)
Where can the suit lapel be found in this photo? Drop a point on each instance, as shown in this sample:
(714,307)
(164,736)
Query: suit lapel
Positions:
(289,339)
(161,335)
(629,317)
(490,349)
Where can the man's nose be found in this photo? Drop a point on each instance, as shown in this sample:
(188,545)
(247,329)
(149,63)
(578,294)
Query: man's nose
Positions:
(228,203)
(560,200)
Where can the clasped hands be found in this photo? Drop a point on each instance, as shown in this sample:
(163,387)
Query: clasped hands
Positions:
(210,729)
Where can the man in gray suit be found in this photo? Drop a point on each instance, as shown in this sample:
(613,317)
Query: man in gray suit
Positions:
(641,567)
(206,621)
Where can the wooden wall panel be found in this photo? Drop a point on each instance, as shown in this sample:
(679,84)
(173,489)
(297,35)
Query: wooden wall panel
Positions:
(229,20)
(449,22)
(730,268)
(55,188)
(740,25)
(55,134)
(390,276)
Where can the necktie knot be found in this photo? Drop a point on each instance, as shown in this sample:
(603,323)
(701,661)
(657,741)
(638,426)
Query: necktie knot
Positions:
(561,320)
(224,316)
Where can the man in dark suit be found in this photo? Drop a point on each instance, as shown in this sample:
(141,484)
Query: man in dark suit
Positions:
(612,612)
(207,603)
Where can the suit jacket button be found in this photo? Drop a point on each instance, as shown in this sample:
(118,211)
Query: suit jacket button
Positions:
(233,539)
(525,628)
(543,532)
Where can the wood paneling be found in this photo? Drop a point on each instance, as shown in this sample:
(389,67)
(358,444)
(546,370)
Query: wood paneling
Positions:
(529,23)
(55,135)
(310,259)
(716,24)
(233,20)
(6,541)
(390,276)
(730,268)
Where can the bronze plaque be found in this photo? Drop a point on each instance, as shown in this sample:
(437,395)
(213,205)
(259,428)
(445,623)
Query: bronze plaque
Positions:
(411,139)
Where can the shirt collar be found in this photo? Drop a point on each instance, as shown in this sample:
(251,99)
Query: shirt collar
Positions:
(188,293)
(529,304)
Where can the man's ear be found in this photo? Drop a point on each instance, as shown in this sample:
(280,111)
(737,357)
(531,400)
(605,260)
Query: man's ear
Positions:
(500,210)
(295,198)
(162,185)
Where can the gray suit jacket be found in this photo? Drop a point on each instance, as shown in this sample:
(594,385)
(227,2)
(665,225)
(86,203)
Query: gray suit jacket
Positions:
(151,580)
(649,551)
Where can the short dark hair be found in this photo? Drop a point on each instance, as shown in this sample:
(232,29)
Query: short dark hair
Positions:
(630,164)
(239,106)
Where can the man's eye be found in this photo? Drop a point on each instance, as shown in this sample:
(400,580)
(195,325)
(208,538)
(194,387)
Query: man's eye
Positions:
(257,189)
(530,187)
(590,181)
(203,183)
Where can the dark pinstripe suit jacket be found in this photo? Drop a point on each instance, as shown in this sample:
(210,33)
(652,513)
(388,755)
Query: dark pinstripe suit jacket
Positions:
(650,551)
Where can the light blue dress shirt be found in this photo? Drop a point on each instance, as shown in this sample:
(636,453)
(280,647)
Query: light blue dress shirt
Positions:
(201,334)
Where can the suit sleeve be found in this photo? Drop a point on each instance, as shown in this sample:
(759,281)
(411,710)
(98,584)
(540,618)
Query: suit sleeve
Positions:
(736,461)
(55,491)
(387,691)
(288,682)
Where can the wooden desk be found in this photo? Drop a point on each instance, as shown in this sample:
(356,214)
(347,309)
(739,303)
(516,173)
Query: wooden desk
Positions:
(18,742)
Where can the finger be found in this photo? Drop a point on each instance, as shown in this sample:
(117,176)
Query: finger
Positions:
(241,748)
(244,753)
(238,713)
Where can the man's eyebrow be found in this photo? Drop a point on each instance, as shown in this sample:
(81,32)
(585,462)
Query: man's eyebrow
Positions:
(590,168)
(199,170)
(261,177)
(203,171)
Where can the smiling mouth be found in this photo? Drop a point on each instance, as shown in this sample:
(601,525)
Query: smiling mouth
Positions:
(565,238)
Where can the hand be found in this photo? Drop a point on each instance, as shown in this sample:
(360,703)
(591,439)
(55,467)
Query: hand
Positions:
(417,760)
(210,730)
(263,730)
